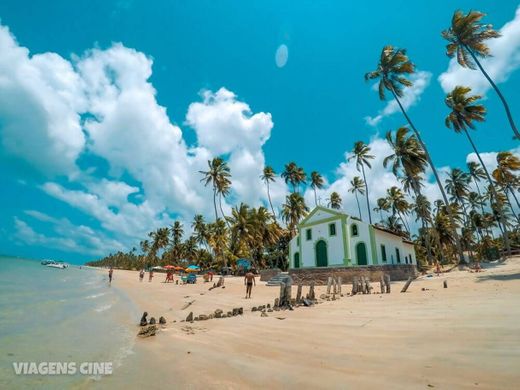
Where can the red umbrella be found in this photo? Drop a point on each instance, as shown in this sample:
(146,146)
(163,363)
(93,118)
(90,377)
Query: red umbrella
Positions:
(169,266)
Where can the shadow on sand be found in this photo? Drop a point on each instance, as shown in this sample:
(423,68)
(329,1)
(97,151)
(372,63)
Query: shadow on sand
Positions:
(485,278)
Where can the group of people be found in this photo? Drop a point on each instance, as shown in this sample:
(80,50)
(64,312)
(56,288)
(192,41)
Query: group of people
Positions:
(249,279)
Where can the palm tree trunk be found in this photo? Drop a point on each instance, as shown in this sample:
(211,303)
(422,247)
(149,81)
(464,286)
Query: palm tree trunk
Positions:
(439,183)
(359,208)
(315,198)
(270,203)
(404,223)
(514,196)
(511,205)
(479,194)
(215,202)
(366,194)
(493,192)
(222,211)
(506,106)
(428,243)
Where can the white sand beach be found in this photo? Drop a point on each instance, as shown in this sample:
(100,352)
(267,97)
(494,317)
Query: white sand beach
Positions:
(465,336)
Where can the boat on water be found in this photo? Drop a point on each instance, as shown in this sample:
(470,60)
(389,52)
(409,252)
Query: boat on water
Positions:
(54,264)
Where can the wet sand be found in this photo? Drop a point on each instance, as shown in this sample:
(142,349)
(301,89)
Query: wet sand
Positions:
(465,336)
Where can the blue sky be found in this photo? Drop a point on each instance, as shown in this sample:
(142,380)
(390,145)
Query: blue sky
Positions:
(109,108)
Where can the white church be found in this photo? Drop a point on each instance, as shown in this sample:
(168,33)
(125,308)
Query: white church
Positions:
(329,238)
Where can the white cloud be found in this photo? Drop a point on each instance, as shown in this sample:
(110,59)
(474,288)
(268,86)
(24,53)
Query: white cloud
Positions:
(505,60)
(43,98)
(412,95)
(66,236)
(40,102)
(225,125)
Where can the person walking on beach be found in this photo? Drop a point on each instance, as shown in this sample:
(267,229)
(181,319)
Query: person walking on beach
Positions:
(110,272)
(141,275)
(150,276)
(249,281)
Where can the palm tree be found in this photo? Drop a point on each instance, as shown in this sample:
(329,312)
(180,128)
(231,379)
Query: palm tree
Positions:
(267,177)
(160,240)
(467,37)
(218,240)
(361,153)
(457,185)
(392,70)
(200,230)
(241,229)
(316,182)
(294,175)
(465,110)
(357,186)
(300,177)
(145,248)
(189,249)
(476,173)
(408,156)
(293,210)
(335,201)
(382,205)
(504,174)
(398,204)
(218,175)
(176,231)
(423,211)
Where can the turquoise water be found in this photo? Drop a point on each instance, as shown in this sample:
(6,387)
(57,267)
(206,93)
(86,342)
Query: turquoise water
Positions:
(55,315)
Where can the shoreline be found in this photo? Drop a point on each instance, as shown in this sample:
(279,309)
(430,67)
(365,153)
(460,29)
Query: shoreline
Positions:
(465,336)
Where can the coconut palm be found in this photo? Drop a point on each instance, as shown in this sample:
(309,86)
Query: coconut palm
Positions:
(398,204)
(189,249)
(464,111)
(200,230)
(241,229)
(476,173)
(294,175)
(335,201)
(467,40)
(361,153)
(457,185)
(357,186)
(382,205)
(316,183)
(218,175)
(293,210)
(408,156)
(423,211)
(145,248)
(267,177)
(159,241)
(218,239)
(392,69)
(504,174)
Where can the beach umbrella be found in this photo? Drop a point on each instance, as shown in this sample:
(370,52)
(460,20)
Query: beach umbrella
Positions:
(169,267)
(177,268)
(193,268)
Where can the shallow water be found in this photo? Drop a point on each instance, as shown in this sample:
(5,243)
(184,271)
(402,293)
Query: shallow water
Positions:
(55,315)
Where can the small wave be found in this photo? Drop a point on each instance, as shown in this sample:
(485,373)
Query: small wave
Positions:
(103,308)
(94,296)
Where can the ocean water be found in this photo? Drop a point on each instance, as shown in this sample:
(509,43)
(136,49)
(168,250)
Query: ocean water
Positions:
(55,315)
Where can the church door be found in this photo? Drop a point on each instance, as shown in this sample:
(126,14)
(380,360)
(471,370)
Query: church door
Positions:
(361,253)
(321,254)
